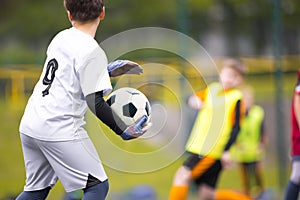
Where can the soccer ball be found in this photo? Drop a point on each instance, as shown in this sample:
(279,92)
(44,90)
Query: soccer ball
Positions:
(129,104)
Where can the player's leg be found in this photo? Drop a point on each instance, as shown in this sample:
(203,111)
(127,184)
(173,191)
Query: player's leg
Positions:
(179,189)
(208,180)
(245,177)
(224,194)
(40,176)
(98,191)
(34,195)
(206,192)
(259,175)
(293,187)
(193,168)
(78,166)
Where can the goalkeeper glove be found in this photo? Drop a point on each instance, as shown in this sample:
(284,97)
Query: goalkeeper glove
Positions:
(120,67)
(136,130)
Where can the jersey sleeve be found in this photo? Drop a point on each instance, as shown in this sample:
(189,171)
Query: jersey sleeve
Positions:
(93,74)
(202,94)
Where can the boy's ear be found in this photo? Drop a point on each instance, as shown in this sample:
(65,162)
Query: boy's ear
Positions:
(69,16)
(102,15)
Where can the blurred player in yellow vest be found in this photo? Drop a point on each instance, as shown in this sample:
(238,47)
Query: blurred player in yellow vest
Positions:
(249,146)
(215,130)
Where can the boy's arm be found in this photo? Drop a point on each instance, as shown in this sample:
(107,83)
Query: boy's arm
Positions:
(103,111)
(263,137)
(226,160)
(90,73)
(196,101)
(236,126)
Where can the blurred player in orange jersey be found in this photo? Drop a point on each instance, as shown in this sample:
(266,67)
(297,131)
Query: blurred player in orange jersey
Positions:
(215,130)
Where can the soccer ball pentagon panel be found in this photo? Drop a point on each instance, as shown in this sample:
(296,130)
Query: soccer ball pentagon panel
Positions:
(129,104)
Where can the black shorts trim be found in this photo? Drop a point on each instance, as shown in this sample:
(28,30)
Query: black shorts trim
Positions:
(210,176)
(92,181)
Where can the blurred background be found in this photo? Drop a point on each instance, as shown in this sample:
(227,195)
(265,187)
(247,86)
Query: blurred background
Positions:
(264,34)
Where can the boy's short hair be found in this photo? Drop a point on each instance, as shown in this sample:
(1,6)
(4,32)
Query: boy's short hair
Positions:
(236,64)
(84,10)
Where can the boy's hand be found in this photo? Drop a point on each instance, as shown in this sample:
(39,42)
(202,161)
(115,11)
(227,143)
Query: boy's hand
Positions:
(120,67)
(137,129)
(226,160)
(194,102)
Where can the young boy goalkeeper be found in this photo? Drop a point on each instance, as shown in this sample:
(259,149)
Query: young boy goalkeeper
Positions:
(75,76)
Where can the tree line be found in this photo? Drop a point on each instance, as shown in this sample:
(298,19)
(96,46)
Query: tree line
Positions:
(30,24)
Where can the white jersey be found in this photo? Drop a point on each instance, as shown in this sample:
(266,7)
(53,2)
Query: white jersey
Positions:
(75,67)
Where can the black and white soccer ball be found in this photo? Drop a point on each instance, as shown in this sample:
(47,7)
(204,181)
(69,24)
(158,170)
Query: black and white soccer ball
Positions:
(129,104)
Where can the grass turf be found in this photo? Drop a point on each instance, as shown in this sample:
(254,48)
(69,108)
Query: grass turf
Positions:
(12,175)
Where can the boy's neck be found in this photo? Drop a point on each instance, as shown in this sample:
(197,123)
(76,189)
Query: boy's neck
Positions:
(89,28)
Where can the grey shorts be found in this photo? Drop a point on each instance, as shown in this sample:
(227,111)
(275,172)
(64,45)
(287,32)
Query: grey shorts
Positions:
(72,162)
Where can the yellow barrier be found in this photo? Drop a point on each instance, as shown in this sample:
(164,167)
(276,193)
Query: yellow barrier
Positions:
(19,80)
(17,77)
